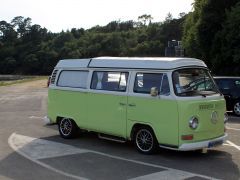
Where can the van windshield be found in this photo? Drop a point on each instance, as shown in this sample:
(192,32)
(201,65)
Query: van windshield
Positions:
(193,82)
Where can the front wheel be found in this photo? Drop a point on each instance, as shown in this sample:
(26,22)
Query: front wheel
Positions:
(67,128)
(145,140)
(236,109)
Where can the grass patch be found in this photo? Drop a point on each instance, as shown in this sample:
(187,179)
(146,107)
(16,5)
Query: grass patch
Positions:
(28,79)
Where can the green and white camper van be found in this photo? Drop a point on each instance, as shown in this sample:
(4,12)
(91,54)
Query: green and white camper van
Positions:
(168,102)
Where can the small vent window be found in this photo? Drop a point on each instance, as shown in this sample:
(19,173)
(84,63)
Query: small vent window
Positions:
(53,77)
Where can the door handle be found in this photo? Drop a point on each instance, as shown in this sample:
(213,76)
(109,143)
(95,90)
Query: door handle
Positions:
(132,105)
(122,104)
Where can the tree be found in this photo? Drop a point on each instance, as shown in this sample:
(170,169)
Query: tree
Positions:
(21,24)
(7,33)
(169,17)
(202,25)
(226,49)
(144,19)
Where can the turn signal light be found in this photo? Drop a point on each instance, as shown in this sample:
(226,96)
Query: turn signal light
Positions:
(187,137)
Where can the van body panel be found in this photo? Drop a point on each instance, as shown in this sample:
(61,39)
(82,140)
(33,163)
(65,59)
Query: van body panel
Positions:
(158,113)
(71,104)
(107,113)
(202,109)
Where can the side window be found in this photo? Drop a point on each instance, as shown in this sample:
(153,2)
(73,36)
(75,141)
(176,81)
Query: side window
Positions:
(145,81)
(109,81)
(224,84)
(74,79)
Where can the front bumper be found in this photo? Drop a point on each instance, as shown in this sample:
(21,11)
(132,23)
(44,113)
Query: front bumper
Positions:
(203,144)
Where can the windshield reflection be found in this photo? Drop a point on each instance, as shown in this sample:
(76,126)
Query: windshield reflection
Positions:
(193,82)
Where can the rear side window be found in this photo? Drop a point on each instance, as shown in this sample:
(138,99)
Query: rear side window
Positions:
(145,81)
(109,81)
(73,79)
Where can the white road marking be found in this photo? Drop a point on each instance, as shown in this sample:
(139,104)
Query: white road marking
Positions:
(152,165)
(40,148)
(165,175)
(35,117)
(226,144)
(233,128)
(16,143)
(35,149)
(234,145)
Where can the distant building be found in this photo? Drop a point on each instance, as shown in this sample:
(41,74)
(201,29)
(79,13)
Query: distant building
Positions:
(174,49)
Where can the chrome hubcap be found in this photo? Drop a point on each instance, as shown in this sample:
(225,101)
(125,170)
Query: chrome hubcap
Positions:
(144,140)
(237,108)
(65,126)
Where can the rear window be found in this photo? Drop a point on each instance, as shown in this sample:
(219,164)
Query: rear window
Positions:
(73,79)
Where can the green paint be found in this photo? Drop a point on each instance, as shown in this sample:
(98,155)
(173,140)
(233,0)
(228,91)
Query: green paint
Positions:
(206,129)
(111,114)
(160,114)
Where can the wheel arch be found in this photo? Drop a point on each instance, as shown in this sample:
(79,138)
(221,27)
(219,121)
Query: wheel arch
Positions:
(58,118)
(136,126)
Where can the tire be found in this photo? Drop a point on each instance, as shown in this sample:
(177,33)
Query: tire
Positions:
(236,108)
(145,140)
(67,128)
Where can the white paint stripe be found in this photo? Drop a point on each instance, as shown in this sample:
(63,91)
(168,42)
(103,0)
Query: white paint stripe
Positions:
(41,149)
(226,144)
(35,159)
(149,164)
(165,175)
(35,117)
(233,128)
(234,145)
(11,143)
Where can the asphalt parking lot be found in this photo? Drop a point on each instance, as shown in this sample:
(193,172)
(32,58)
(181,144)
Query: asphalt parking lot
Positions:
(29,149)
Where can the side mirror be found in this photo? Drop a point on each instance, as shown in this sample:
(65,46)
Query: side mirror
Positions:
(154,91)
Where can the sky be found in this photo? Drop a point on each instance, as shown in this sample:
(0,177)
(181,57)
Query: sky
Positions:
(58,15)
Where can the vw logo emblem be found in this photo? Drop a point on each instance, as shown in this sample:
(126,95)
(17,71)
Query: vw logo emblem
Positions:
(214,117)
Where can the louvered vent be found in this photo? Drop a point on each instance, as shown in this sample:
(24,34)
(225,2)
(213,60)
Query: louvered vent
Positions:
(53,77)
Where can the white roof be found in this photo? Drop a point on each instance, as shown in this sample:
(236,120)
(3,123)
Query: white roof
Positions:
(131,62)
(73,63)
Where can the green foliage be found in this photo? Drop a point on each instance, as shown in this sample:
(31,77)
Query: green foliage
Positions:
(208,34)
(31,49)
(226,49)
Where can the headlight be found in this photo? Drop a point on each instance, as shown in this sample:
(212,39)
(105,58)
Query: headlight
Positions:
(225,118)
(193,123)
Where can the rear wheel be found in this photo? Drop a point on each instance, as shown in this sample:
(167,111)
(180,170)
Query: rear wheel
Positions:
(67,128)
(236,109)
(145,140)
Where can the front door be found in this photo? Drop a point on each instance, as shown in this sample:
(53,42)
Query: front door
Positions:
(160,112)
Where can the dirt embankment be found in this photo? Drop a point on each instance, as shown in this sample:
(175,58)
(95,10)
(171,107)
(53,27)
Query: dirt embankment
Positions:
(23,87)
(33,84)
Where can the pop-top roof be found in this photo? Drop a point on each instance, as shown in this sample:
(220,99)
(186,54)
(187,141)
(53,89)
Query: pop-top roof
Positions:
(131,62)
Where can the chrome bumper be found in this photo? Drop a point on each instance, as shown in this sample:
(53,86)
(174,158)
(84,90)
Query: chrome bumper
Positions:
(203,144)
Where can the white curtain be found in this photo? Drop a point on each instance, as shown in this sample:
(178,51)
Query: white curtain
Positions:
(100,77)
